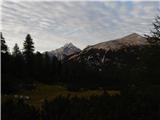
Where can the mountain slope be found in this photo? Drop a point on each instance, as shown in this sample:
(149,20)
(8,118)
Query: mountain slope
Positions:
(66,50)
(114,51)
(133,39)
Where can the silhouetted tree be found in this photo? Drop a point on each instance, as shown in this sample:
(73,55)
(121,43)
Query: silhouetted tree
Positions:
(28,48)
(6,68)
(154,38)
(152,53)
(16,51)
(4,47)
(28,44)
(28,52)
(18,65)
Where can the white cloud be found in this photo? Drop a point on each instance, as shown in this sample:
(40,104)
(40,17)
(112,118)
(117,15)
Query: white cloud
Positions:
(52,24)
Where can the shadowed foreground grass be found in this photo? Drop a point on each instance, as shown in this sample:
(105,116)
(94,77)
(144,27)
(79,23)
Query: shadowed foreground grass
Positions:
(37,96)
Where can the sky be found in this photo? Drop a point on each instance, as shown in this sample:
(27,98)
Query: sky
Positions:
(52,24)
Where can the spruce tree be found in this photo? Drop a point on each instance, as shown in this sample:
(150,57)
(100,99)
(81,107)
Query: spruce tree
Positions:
(4,48)
(154,38)
(29,55)
(16,51)
(152,57)
(156,31)
(28,48)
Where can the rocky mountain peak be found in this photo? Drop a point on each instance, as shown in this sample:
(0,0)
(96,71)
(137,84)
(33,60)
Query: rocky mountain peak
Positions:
(66,50)
(69,45)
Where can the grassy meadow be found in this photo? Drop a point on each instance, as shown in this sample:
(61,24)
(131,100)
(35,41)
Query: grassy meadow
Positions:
(37,96)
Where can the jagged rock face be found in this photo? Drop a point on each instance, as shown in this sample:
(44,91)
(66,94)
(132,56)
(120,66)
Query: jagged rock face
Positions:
(66,50)
(101,54)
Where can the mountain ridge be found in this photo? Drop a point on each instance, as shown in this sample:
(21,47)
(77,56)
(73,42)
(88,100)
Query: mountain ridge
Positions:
(95,51)
(62,52)
(131,39)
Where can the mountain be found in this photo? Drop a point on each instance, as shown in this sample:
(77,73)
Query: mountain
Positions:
(133,39)
(100,54)
(62,52)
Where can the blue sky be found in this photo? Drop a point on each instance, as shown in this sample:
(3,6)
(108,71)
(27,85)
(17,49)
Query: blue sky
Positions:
(52,24)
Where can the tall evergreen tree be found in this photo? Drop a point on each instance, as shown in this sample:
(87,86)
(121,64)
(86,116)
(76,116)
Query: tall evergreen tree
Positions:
(29,55)
(4,47)
(28,47)
(6,68)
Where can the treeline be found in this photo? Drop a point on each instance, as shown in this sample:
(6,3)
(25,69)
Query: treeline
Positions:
(134,65)
(132,105)
(21,69)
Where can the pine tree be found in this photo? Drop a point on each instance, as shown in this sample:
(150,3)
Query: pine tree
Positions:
(156,31)
(16,51)
(29,55)
(28,47)
(4,48)
(154,38)
(152,59)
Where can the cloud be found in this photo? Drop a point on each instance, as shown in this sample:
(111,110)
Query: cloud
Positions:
(52,24)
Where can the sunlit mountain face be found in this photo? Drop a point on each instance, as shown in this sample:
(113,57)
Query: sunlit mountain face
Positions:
(52,24)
